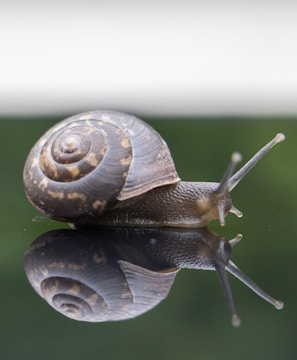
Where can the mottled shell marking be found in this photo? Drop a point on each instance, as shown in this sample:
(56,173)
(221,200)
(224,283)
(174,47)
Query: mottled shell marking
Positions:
(93,160)
(86,282)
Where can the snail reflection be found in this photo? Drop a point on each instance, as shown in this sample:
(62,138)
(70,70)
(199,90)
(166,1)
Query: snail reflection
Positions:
(109,274)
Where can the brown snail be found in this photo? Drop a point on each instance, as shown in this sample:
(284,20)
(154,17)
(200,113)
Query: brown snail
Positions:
(117,273)
(112,168)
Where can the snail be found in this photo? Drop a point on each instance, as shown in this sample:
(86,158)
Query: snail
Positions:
(105,167)
(118,273)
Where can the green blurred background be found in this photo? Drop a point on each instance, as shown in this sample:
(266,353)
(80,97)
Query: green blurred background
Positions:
(193,322)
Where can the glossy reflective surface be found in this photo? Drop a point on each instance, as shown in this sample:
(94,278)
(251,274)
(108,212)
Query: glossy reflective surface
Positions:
(104,274)
(193,322)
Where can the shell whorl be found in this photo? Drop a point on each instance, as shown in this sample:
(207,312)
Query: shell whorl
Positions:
(88,162)
(83,278)
(73,299)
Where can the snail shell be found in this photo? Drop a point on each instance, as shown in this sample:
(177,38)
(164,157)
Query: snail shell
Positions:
(83,277)
(104,156)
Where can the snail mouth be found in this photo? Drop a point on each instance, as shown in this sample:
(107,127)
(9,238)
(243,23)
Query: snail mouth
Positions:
(214,206)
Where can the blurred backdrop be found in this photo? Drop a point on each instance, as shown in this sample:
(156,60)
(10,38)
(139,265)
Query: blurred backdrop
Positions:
(153,57)
(212,77)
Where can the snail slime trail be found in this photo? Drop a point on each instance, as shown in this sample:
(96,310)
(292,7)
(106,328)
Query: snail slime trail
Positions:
(109,168)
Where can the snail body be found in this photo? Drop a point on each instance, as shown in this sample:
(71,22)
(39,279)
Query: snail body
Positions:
(105,167)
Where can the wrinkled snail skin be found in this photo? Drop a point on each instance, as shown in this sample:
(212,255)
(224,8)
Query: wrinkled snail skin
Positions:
(185,204)
(114,273)
(111,168)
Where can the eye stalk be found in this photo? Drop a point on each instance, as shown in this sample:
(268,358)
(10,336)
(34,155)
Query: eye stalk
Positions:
(223,265)
(237,177)
(229,181)
(223,187)
(234,270)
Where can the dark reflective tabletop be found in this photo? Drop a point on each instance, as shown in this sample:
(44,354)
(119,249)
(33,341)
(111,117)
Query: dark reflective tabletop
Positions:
(194,316)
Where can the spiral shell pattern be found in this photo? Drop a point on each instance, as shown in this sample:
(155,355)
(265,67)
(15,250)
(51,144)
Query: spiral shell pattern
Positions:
(86,163)
(76,278)
(82,277)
